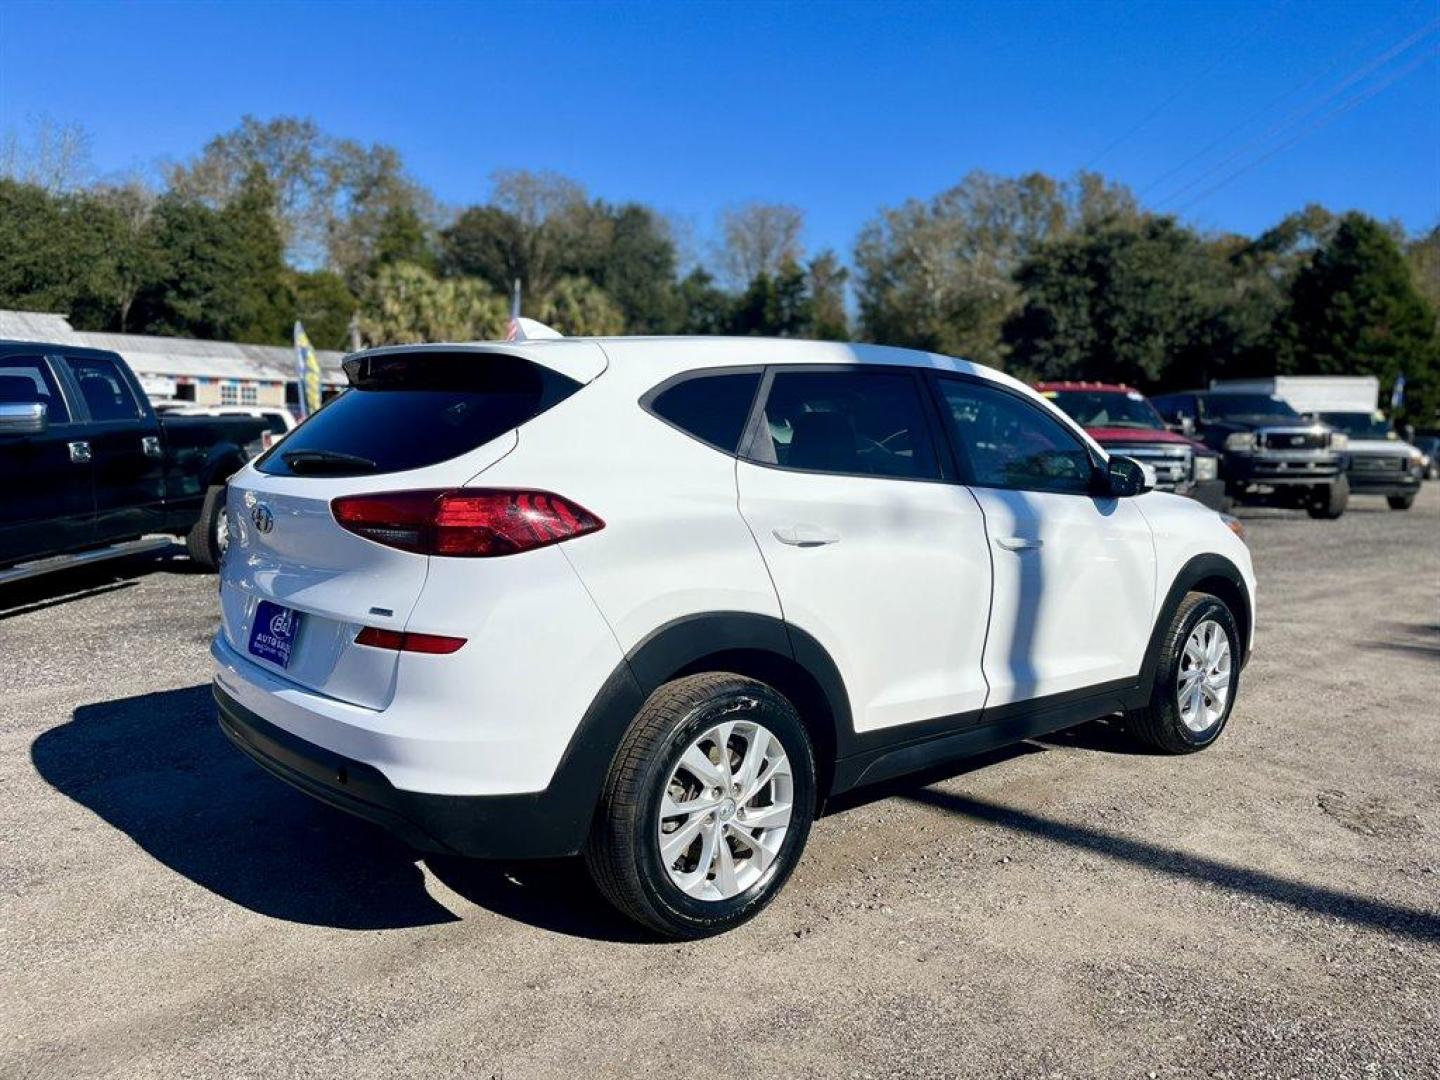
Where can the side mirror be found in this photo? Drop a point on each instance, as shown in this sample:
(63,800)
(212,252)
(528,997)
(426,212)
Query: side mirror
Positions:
(22,418)
(1126,476)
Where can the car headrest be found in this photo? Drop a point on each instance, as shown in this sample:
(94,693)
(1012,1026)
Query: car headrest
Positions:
(824,440)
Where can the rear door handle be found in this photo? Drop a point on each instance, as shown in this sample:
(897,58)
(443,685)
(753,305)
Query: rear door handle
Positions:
(1019,543)
(80,452)
(806,536)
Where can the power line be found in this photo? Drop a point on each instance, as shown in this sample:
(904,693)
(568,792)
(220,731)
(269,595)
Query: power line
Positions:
(1184,89)
(1339,110)
(1269,106)
(1308,109)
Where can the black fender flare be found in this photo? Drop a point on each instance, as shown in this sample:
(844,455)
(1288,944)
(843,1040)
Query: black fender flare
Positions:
(760,645)
(1224,579)
(223,460)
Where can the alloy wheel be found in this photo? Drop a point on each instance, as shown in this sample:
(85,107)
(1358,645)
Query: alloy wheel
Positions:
(725,810)
(1203,683)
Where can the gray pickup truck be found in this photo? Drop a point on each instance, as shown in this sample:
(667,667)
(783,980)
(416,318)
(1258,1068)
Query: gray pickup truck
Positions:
(89,472)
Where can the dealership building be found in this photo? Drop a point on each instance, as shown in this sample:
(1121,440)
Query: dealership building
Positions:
(184,369)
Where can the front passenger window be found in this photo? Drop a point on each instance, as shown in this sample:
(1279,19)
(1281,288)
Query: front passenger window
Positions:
(26,380)
(1009,443)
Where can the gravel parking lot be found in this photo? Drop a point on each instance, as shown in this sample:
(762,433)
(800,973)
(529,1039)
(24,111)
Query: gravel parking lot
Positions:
(1068,908)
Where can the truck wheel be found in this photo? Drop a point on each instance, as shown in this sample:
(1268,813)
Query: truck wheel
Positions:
(208,537)
(706,808)
(1401,502)
(1196,678)
(1330,502)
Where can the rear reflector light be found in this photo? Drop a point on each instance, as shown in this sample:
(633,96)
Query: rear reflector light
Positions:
(466,522)
(405,641)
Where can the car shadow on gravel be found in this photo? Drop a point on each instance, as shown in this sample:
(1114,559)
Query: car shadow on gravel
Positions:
(157,768)
(550,894)
(1314,899)
(1418,639)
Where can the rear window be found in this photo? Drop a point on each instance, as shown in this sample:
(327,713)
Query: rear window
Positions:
(409,410)
(712,408)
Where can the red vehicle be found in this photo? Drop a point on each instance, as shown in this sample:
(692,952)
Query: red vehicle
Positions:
(1122,419)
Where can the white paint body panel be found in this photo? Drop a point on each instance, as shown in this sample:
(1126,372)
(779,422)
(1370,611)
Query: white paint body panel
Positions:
(1077,609)
(899,597)
(1182,530)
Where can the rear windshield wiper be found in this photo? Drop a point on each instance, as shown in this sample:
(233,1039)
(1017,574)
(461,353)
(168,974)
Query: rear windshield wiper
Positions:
(314,461)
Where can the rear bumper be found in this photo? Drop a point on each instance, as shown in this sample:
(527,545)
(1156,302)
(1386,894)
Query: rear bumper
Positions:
(532,825)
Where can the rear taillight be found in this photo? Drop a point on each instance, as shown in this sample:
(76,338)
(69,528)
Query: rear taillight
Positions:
(405,641)
(466,523)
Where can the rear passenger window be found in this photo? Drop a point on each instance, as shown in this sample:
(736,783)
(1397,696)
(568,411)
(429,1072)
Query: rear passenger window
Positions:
(1009,443)
(26,380)
(712,408)
(868,423)
(105,391)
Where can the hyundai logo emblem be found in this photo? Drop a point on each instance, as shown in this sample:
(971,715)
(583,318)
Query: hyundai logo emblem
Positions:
(262,517)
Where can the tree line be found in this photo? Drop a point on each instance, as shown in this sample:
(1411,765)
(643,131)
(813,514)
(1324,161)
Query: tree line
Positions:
(1044,277)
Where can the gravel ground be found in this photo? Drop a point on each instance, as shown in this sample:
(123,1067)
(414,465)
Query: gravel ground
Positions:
(1065,909)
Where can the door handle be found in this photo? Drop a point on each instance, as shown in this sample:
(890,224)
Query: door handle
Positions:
(80,452)
(806,536)
(1019,543)
(150,445)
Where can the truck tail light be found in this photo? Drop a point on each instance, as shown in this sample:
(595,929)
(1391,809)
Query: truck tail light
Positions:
(464,522)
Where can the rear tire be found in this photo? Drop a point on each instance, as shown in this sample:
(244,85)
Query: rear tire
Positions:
(1401,502)
(1167,724)
(703,889)
(1330,502)
(207,538)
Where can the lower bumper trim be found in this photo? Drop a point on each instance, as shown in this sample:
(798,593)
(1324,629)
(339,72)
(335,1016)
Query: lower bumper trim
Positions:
(530,825)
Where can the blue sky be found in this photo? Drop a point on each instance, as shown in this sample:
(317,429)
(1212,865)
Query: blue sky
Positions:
(840,109)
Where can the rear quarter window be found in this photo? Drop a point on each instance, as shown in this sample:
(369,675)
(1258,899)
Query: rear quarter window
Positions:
(711,407)
(407,411)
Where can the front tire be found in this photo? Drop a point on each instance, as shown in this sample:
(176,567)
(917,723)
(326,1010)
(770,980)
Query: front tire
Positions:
(1196,678)
(706,808)
(1330,502)
(1401,502)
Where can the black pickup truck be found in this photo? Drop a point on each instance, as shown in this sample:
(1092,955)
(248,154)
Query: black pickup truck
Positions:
(1270,454)
(89,472)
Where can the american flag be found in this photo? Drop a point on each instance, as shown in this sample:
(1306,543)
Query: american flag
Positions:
(513,331)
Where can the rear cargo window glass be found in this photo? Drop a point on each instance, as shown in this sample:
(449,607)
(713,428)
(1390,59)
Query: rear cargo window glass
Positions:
(407,411)
(713,408)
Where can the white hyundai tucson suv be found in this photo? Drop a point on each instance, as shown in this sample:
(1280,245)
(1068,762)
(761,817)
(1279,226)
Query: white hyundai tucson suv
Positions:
(654,600)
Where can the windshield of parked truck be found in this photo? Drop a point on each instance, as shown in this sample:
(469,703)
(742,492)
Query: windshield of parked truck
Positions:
(1107,408)
(1360,425)
(1239,406)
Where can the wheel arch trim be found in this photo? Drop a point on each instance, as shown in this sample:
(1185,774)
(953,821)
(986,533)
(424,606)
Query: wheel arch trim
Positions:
(1211,573)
